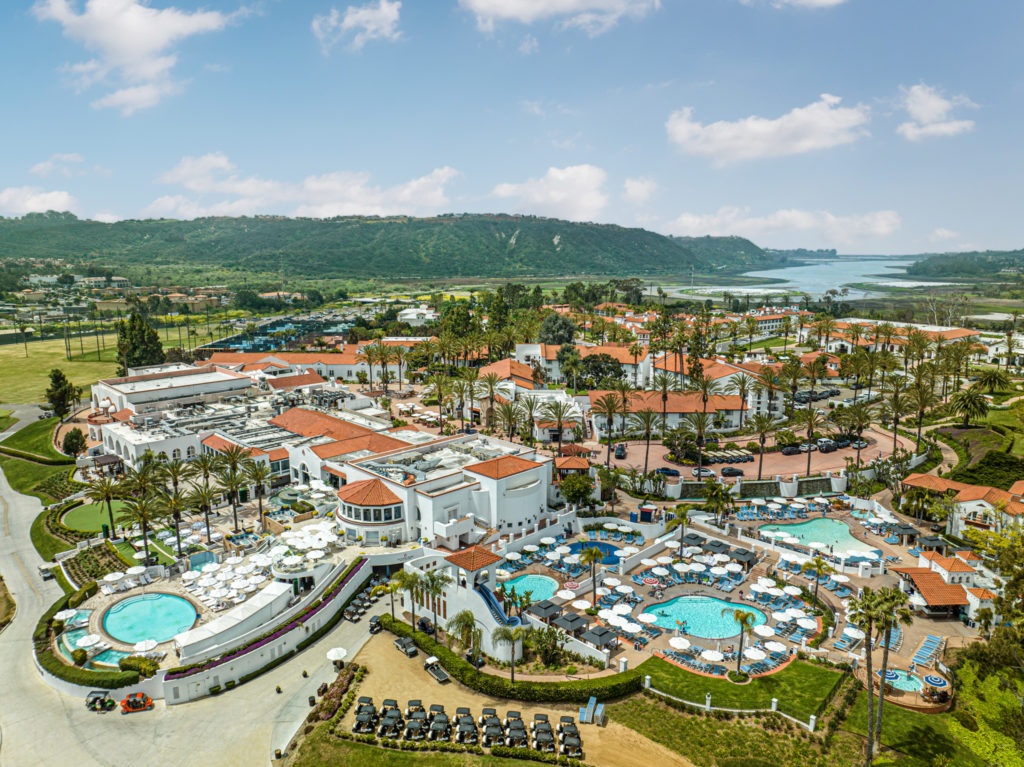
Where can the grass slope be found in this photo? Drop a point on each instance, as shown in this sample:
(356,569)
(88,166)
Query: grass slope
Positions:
(30,478)
(91,517)
(24,379)
(35,438)
(6,420)
(320,749)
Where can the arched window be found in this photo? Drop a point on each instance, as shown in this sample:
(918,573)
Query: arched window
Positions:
(191,452)
(176,454)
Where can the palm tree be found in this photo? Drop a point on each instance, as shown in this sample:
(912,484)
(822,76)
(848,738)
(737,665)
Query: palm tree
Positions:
(745,620)
(232,457)
(792,373)
(529,412)
(742,385)
(992,379)
(390,588)
(921,398)
(105,490)
(825,327)
(558,412)
(410,582)
(508,416)
(258,474)
(368,356)
(786,327)
(232,482)
(591,557)
(635,350)
(203,467)
(144,512)
(969,403)
(811,421)
(894,610)
(462,628)
(440,385)
(896,404)
(762,424)
(510,636)
(174,472)
(664,384)
(645,421)
(820,567)
(434,584)
(863,613)
(202,499)
(460,393)
(856,419)
(706,388)
(717,499)
(607,406)
(698,424)
(680,520)
(173,505)
(490,387)
(398,355)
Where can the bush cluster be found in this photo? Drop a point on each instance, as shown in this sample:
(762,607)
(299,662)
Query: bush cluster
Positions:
(331,700)
(93,563)
(146,667)
(602,688)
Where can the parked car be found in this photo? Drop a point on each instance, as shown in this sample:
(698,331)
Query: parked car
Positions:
(732,471)
(703,472)
(808,447)
(790,450)
(620,451)
(858,444)
(843,442)
(664,470)
(829,448)
(424,625)
(406,646)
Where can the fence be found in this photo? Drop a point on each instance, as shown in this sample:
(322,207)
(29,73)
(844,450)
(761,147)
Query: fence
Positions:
(809,725)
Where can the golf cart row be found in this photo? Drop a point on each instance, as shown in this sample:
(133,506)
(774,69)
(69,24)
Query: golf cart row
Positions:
(418,723)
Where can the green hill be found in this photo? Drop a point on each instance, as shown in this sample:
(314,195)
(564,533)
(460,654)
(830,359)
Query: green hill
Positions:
(976,265)
(391,247)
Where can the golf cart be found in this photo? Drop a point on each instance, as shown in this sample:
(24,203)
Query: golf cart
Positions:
(136,702)
(99,700)
(433,667)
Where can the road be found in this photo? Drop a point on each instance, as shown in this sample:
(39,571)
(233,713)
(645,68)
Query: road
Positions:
(39,725)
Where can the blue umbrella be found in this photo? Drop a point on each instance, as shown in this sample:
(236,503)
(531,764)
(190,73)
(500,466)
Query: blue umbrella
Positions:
(935,681)
(890,675)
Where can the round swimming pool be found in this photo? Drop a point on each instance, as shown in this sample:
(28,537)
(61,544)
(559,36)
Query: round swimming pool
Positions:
(541,587)
(149,616)
(702,616)
(906,681)
(834,534)
(606,548)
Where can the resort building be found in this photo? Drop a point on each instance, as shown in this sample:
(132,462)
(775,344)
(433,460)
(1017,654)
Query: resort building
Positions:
(724,409)
(161,389)
(978,507)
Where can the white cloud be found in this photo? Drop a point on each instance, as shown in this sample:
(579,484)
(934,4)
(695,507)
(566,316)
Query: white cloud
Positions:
(820,125)
(529,45)
(575,192)
(825,225)
(929,111)
(808,3)
(217,189)
(373,21)
(106,218)
(133,45)
(19,200)
(535,108)
(592,16)
(942,233)
(58,165)
(639,190)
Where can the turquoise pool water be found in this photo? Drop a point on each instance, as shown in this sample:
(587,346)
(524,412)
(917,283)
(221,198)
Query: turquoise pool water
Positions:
(108,658)
(831,532)
(149,616)
(702,616)
(541,586)
(907,681)
(607,548)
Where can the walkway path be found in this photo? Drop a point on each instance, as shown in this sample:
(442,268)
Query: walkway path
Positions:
(41,726)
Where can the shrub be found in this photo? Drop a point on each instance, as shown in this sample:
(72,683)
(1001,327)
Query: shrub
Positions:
(966,720)
(754,447)
(82,594)
(738,676)
(230,684)
(79,656)
(602,688)
(215,690)
(146,667)
(103,680)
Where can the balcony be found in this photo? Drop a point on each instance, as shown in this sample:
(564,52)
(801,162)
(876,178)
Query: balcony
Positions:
(455,527)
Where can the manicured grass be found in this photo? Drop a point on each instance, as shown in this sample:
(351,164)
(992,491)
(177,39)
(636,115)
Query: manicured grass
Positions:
(7,420)
(923,738)
(91,517)
(1008,419)
(800,687)
(47,545)
(24,379)
(27,477)
(321,749)
(127,553)
(35,438)
(7,606)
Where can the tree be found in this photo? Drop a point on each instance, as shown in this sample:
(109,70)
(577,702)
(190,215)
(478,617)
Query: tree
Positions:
(819,567)
(61,393)
(680,519)
(601,369)
(893,609)
(390,588)
(508,416)
(577,489)
(592,556)
(921,398)
(258,474)
(993,379)
(664,384)
(74,443)
(489,387)
(145,513)
(856,419)
(410,582)
(970,404)
(462,628)
(440,386)
(810,420)
(202,498)
(232,482)
(645,421)
(104,490)
(698,424)
(863,613)
(741,385)
(510,636)
(745,620)
(461,389)
(762,424)
(434,584)
(607,406)
(172,505)
(557,329)
(557,412)
(895,405)
(138,344)
(717,499)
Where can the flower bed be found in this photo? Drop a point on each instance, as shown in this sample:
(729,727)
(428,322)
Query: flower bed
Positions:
(350,572)
(331,700)
(92,564)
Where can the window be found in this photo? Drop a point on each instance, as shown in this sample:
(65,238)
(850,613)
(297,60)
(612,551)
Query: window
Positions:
(176,454)
(191,452)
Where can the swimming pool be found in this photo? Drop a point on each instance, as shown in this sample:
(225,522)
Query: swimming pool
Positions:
(831,532)
(906,681)
(541,587)
(149,616)
(608,549)
(702,616)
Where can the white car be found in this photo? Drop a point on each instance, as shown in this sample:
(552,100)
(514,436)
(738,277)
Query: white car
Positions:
(703,472)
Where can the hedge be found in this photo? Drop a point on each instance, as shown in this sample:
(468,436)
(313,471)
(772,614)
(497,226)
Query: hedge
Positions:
(35,458)
(602,688)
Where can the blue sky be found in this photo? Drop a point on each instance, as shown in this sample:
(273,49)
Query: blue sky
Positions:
(864,125)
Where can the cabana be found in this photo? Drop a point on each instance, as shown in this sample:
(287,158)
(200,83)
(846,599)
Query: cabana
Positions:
(545,610)
(572,623)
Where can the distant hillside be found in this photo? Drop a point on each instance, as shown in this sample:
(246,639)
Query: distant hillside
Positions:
(394,247)
(977,264)
(731,251)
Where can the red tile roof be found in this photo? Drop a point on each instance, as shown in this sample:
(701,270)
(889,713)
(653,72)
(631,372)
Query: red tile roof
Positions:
(472,559)
(295,381)
(968,556)
(278,454)
(949,564)
(368,492)
(935,591)
(310,423)
(933,483)
(378,443)
(509,369)
(572,462)
(505,466)
(981,593)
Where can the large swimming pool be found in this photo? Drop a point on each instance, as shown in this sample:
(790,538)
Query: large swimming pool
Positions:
(607,548)
(541,587)
(831,532)
(702,616)
(149,616)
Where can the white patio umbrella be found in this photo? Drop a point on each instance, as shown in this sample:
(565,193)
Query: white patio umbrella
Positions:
(302,544)
(876,521)
(553,556)
(197,526)
(840,578)
(206,581)
(774,506)
(315,554)
(796,613)
(274,553)
(853,632)
(234,560)
(618,620)
(659,571)
(113,577)
(136,570)
(611,581)
(720,558)
(680,643)
(65,615)
(755,588)
(87,641)
(191,539)
(663,560)
(565,594)
(624,589)
(292,560)
(779,499)
(697,567)
(754,653)
(816,545)
(572,559)
(256,580)
(211,567)
(734,567)
(767,582)
(547,540)
(807,624)
(775,647)
(603,591)
(239,584)
(789,556)
(513,556)
(581,604)
(224,576)
(604,614)
(716,570)
(632,628)
(219,593)
(781,616)
(712,655)
(260,560)
(647,618)
(671,544)
(621,609)
(793,591)
(622,554)
(631,550)
(531,547)
(791,540)
(563,549)
(758,501)
(680,567)
(764,630)
(774,534)
(146,645)
(610,526)
(648,562)
(337,653)
(797,502)
(689,551)
(776,592)
(625,529)
(140,555)
(246,569)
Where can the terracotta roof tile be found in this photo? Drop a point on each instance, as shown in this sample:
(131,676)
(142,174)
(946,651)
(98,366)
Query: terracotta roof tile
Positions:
(472,559)
(933,483)
(310,423)
(982,593)
(378,443)
(368,492)
(295,381)
(505,466)
(572,462)
(935,591)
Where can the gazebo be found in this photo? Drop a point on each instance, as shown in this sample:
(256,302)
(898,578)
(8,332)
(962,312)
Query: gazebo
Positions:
(545,610)
(572,623)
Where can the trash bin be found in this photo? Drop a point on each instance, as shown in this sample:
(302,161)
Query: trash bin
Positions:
(106,530)
(633,516)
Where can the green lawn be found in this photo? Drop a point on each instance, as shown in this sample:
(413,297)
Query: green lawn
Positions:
(32,478)
(36,438)
(800,687)
(321,749)
(126,551)
(91,517)
(7,420)
(923,738)
(1008,419)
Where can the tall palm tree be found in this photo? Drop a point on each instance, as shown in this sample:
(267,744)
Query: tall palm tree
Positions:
(390,588)
(435,582)
(440,385)
(857,418)
(792,372)
(368,356)
(411,582)
(104,491)
(811,421)
(232,457)
(461,389)
(970,404)
(508,416)
(173,505)
(762,424)
(529,410)
(232,482)
(646,422)
(664,384)
(745,620)
(144,512)
(698,424)
(203,467)
(680,520)
(592,556)
(462,628)
(825,328)
(558,412)
(489,385)
(921,398)
(258,474)
(896,403)
(717,499)
(202,498)
(510,636)
(742,385)
(818,566)
(174,472)
(607,406)
(635,350)
(992,379)
(706,388)
(894,610)
(864,613)
(398,355)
